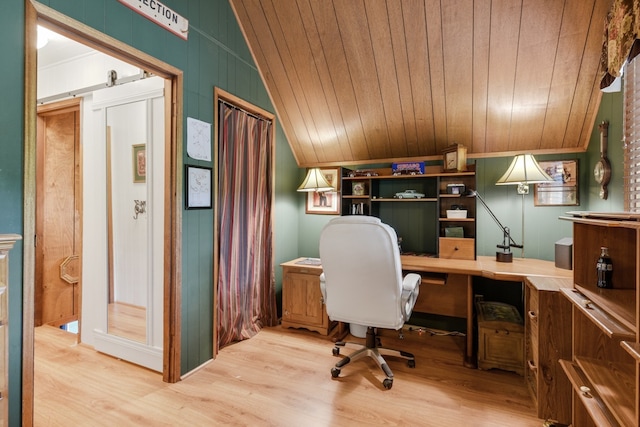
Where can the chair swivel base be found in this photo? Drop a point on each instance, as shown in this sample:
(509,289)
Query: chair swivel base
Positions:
(373,350)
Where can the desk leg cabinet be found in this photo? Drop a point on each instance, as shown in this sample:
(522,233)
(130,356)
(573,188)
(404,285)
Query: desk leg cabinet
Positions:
(6,244)
(547,340)
(604,369)
(302,304)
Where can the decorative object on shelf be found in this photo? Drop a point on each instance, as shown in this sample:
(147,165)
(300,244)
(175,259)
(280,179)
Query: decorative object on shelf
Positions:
(455,158)
(361,172)
(453,231)
(322,186)
(407,168)
(358,188)
(455,188)
(409,194)
(604,267)
(507,243)
(198,187)
(563,191)
(524,170)
(602,169)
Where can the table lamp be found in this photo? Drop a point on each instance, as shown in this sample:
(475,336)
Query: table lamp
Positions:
(524,170)
(315,181)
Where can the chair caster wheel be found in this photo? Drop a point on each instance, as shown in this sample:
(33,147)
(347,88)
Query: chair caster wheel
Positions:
(336,351)
(411,363)
(335,372)
(387,383)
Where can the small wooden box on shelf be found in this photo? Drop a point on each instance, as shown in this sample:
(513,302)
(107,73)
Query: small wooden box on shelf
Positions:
(605,366)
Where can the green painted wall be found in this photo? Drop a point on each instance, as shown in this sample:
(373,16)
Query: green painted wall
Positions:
(11,188)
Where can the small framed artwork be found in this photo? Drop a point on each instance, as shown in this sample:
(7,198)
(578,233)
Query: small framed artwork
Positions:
(326,202)
(139,155)
(563,191)
(454,158)
(198,190)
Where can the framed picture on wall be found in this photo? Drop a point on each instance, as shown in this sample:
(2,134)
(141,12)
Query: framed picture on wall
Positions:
(139,152)
(198,187)
(563,191)
(326,202)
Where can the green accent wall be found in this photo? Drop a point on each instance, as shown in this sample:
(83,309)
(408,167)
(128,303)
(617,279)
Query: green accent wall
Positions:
(11,187)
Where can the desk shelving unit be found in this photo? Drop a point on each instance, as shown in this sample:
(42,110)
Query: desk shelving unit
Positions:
(604,369)
(421,223)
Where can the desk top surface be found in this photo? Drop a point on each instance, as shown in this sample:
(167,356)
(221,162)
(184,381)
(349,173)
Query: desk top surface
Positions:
(484,266)
(487,266)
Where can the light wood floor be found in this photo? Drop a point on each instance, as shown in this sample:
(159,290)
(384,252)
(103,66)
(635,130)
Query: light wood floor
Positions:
(281,377)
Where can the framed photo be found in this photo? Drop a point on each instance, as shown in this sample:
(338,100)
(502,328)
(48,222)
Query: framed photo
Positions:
(563,191)
(139,155)
(198,191)
(327,202)
(454,158)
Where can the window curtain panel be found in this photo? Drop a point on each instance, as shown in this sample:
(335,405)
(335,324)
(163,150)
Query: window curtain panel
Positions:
(246,283)
(621,39)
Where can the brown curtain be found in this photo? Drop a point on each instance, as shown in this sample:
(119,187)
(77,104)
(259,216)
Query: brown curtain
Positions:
(246,283)
(621,38)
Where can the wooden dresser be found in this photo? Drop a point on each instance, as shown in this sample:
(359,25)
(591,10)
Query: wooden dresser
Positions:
(547,340)
(6,244)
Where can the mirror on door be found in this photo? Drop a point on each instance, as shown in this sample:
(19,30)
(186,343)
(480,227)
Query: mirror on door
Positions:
(128,219)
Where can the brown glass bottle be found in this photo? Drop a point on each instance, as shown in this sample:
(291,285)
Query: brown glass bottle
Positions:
(604,267)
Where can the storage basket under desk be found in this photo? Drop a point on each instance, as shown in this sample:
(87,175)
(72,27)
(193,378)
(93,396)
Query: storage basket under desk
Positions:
(500,337)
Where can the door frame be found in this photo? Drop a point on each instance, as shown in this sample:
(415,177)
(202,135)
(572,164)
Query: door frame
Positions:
(39,14)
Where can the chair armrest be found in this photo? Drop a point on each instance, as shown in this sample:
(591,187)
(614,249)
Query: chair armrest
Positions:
(323,287)
(410,291)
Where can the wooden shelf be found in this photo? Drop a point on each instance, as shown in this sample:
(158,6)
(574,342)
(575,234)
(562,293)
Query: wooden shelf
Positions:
(349,196)
(620,304)
(591,400)
(603,319)
(392,199)
(418,222)
(615,383)
(633,348)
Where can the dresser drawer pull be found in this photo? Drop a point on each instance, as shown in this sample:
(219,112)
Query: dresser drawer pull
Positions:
(532,315)
(532,366)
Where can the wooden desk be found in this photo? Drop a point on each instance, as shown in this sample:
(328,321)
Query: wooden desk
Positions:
(458,274)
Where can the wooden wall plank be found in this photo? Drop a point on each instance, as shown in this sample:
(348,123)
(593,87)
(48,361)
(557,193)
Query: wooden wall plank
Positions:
(457,36)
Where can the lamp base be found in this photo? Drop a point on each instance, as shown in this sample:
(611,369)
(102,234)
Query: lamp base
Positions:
(504,256)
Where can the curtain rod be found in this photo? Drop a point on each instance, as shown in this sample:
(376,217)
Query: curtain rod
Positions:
(254,115)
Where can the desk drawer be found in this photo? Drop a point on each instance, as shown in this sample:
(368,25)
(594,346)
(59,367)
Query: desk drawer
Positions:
(457,248)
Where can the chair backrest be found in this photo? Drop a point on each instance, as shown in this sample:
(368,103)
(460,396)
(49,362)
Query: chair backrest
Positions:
(363,272)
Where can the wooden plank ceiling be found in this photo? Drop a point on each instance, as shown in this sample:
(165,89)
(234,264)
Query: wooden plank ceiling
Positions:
(362,81)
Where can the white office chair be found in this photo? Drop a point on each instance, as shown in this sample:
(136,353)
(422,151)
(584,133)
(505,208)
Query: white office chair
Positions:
(362,284)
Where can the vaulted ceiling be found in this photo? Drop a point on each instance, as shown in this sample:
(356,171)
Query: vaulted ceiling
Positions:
(362,81)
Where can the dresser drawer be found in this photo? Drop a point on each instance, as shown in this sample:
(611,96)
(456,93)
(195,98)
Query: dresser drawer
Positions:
(457,248)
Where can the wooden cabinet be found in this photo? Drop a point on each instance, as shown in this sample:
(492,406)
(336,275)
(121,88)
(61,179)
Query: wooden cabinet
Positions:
(421,223)
(302,303)
(604,369)
(547,324)
(6,244)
